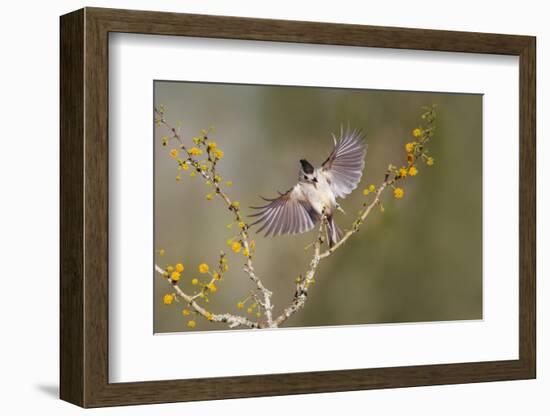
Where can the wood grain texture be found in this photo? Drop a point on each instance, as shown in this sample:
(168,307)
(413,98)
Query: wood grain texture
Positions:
(527,207)
(71,100)
(84,206)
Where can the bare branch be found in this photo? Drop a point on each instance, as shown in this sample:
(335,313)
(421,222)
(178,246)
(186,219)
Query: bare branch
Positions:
(416,151)
(234,208)
(393,175)
(302,287)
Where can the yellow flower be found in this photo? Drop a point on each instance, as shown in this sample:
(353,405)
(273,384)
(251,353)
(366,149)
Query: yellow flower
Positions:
(417,132)
(197,140)
(246,253)
(240,305)
(242,224)
(195,151)
(212,287)
(174,153)
(366,191)
(167,299)
(229,183)
(195,281)
(185,166)
(169,269)
(209,197)
(258,314)
(413,171)
(175,276)
(229,242)
(209,316)
(410,158)
(179,267)
(191,324)
(192,174)
(217,178)
(218,153)
(236,246)
(409,147)
(235,204)
(178,178)
(186,312)
(162,252)
(403,172)
(225,267)
(204,167)
(203,268)
(212,146)
(398,193)
(249,310)
(430,161)
(217,276)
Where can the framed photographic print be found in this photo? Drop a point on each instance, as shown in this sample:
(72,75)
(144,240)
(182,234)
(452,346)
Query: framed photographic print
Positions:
(257,207)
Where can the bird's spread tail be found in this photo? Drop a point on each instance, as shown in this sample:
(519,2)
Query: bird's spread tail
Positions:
(334,234)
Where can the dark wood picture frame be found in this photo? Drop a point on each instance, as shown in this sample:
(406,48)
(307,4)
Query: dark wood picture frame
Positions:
(84,207)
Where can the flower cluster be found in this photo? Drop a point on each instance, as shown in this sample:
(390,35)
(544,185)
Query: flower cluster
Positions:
(204,284)
(252,305)
(200,157)
(415,151)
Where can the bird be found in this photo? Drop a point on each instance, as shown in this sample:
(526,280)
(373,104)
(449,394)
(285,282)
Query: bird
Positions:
(300,208)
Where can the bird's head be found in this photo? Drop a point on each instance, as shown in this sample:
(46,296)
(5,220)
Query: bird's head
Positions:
(307,172)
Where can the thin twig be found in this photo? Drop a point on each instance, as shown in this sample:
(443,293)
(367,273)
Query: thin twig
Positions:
(359,221)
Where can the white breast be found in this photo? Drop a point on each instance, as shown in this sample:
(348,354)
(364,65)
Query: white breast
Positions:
(319,195)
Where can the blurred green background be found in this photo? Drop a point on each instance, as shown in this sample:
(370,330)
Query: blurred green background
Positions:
(420,260)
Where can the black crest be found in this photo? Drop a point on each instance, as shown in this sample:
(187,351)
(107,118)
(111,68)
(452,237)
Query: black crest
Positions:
(306,166)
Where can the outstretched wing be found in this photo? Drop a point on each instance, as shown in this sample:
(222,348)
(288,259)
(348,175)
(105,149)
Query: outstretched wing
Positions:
(290,213)
(344,166)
